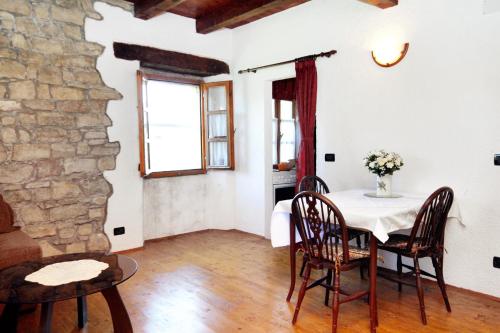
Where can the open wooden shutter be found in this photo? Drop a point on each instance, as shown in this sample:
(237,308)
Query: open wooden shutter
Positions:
(219,127)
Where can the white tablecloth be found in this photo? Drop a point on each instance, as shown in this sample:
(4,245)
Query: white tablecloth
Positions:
(381,216)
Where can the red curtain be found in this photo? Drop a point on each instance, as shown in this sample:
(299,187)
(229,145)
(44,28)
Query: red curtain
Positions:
(284,89)
(306,88)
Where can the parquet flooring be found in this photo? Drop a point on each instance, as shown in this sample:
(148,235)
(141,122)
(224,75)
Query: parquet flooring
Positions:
(229,281)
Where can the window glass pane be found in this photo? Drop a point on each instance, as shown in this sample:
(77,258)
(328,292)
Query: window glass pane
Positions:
(174,126)
(286,108)
(275,147)
(287,151)
(218,154)
(217,98)
(287,131)
(217,125)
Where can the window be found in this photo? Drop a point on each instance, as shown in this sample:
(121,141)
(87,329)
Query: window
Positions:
(172,130)
(284,131)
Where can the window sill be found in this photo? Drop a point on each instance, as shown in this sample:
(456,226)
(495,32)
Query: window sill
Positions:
(164,174)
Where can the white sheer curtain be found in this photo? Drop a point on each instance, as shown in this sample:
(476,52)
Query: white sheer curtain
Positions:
(217,127)
(218,154)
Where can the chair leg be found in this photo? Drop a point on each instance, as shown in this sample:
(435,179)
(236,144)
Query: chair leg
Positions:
(336,301)
(302,292)
(438,267)
(400,271)
(305,258)
(329,283)
(420,291)
(292,269)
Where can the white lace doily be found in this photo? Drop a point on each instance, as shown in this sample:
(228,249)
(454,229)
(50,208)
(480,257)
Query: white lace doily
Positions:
(67,272)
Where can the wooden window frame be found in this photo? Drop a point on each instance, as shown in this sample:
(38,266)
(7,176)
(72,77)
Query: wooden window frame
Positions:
(228,85)
(141,76)
(166,77)
(277,115)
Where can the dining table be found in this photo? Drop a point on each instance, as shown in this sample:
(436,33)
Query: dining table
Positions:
(379,216)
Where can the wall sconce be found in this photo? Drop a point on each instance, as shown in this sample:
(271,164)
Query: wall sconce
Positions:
(389,56)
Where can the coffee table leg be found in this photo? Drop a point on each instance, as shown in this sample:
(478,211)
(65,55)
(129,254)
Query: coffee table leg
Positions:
(121,320)
(82,311)
(8,321)
(46,319)
(293,272)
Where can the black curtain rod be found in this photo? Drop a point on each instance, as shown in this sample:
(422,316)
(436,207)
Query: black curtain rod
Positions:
(311,56)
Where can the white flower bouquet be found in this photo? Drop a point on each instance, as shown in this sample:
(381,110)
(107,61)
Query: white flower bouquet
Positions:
(383,163)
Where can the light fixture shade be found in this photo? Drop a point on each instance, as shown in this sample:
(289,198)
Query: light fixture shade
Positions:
(389,56)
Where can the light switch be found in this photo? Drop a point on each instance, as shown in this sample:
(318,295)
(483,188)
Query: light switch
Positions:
(329,157)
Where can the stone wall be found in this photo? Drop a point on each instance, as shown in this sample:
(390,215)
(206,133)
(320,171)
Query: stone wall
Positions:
(54,144)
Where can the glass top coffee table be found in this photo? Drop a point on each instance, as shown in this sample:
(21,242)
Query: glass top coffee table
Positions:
(15,290)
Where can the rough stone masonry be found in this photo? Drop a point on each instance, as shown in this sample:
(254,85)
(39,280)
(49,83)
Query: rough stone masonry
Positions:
(54,144)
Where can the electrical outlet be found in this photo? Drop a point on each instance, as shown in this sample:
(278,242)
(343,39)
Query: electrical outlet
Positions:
(329,157)
(496,262)
(496,159)
(118,231)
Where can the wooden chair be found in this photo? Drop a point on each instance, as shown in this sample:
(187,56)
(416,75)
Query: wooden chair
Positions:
(325,240)
(425,240)
(316,184)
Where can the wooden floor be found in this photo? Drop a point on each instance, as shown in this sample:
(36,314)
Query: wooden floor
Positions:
(228,281)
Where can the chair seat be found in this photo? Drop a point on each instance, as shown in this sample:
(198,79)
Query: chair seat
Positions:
(355,253)
(399,242)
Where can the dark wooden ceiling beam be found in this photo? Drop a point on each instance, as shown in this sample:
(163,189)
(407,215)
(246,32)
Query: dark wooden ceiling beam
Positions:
(147,9)
(381,3)
(237,12)
(171,61)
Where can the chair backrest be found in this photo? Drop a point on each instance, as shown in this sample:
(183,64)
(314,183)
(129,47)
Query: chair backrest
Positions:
(321,226)
(428,230)
(6,217)
(313,184)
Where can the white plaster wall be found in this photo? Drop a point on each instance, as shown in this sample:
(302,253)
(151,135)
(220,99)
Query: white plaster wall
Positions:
(199,199)
(178,205)
(439,108)
(491,6)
